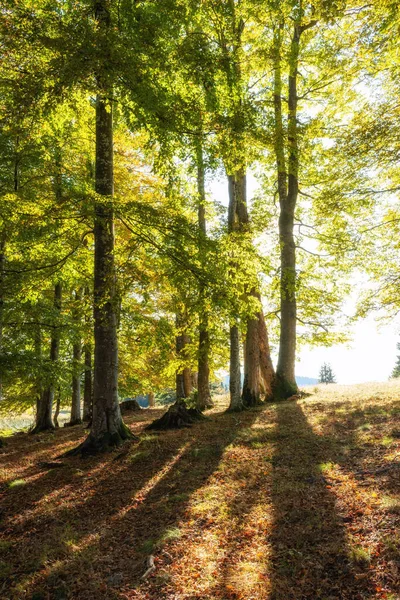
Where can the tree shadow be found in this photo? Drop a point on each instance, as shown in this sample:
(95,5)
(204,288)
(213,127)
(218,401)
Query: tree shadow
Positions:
(125,515)
(310,551)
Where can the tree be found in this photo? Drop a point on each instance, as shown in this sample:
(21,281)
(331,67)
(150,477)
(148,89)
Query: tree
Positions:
(326,374)
(396,369)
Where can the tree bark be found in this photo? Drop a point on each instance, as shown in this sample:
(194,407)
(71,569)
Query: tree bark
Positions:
(203,379)
(236,403)
(76,386)
(108,429)
(183,377)
(2,287)
(75,418)
(87,385)
(44,419)
(57,410)
(151,399)
(259,372)
(286,385)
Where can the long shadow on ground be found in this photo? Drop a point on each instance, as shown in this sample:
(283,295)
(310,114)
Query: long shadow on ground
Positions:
(123,513)
(310,553)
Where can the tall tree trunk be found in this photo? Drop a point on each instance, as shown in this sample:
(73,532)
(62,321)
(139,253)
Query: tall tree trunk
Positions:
(236,403)
(183,376)
(203,379)
(288,191)
(3,240)
(44,419)
(259,372)
(57,410)
(151,399)
(76,385)
(108,429)
(2,287)
(75,418)
(38,360)
(87,385)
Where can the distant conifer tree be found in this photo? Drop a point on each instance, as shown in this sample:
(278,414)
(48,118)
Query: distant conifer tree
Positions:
(396,370)
(326,374)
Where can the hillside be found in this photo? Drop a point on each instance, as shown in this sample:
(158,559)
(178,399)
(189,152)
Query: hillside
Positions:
(298,500)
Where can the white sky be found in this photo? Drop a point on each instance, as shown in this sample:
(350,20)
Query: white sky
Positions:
(370,356)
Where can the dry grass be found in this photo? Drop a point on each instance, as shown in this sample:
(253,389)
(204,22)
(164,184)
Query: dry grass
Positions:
(289,501)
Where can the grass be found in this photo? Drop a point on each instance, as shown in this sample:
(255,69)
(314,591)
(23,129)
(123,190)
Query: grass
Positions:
(16,483)
(288,501)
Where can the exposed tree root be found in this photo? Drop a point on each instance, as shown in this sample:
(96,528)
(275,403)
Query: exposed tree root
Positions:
(177,417)
(73,423)
(42,428)
(106,442)
(283,389)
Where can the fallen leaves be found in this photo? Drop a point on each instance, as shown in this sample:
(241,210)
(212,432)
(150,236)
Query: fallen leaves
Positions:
(293,501)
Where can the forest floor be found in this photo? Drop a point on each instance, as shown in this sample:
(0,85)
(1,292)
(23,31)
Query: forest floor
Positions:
(296,500)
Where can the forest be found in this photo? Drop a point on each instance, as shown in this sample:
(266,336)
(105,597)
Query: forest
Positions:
(191,191)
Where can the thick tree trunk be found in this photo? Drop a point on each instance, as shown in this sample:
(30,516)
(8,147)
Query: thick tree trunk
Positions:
(2,286)
(151,399)
(203,377)
(108,429)
(252,375)
(267,373)
(183,376)
(258,378)
(236,403)
(87,385)
(44,419)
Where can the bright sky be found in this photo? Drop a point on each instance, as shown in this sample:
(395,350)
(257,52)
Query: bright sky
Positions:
(370,356)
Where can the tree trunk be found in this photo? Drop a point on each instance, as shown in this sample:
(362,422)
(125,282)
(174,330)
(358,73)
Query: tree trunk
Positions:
(151,399)
(108,429)
(87,385)
(252,375)
(203,379)
(38,361)
(183,376)
(257,380)
(58,406)
(75,418)
(267,373)
(288,191)
(236,403)
(44,419)
(2,287)
(76,385)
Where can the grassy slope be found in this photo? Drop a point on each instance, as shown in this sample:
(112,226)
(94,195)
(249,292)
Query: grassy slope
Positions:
(291,501)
